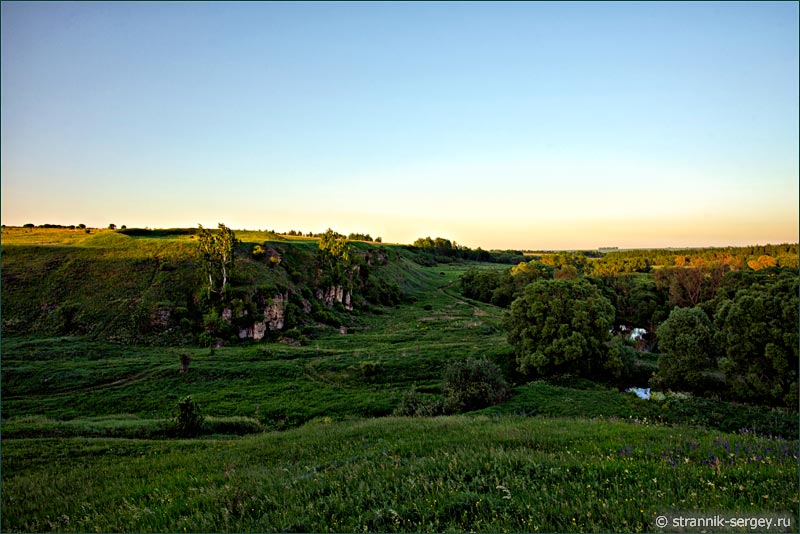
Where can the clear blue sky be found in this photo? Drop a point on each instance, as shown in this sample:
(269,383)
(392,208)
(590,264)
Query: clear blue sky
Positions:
(521,125)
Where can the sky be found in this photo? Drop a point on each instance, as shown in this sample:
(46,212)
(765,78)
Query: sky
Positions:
(521,125)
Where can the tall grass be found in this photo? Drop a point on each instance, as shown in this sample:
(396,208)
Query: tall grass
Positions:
(396,474)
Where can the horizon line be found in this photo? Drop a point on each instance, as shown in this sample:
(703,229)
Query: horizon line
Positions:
(607,248)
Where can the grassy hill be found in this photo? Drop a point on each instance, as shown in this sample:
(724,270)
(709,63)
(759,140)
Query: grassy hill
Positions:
(145,286)
(300,437)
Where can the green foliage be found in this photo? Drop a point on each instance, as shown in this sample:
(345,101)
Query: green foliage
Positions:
(121,426)
(383,292)
(189,419)
(370,368)
(733,258)
(67,378)
(621,361)
(637,300)
(686,340)
(425,474)
(215,327)
(471,384)
(569,263)
(335,260)
(157,232)
(501,287)
(359,237)
(415,404)
(480,284)
(443,250)
(757,333)
(688,286)
(560,326)
(216,254)
(258,252)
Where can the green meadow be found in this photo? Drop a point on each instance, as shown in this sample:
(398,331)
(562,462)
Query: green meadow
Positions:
(300,430)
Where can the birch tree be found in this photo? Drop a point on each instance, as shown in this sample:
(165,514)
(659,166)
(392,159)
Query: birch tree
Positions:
(216,253)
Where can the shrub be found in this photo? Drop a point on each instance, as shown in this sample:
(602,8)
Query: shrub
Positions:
(237,425)
(186,359)
(189,421)
(414,404)
(472,384)
(370,368)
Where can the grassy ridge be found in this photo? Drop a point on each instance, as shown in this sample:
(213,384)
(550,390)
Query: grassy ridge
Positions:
(393,474)
(145,287)
(94,285)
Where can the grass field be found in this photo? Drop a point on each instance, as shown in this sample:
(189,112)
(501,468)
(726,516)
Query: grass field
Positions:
(394,474)
(301,438)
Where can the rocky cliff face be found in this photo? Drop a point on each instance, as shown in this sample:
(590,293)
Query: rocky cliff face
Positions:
(335,294)
(273,318)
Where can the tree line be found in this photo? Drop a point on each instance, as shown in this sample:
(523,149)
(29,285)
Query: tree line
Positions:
(442,250)
(353,236)
(719,331)
(753,257)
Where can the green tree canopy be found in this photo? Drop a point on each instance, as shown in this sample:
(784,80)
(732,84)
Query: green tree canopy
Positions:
(560,326)
(686,340)
(335,260)
(757,333)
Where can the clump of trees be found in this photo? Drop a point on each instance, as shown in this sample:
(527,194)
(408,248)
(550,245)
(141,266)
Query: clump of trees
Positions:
(469,384)
(748,348)
(502,287)
(335,260)
(758,338)
(720,331)
(445,250)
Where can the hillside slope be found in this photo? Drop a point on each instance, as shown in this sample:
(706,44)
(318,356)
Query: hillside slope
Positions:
(146,286)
